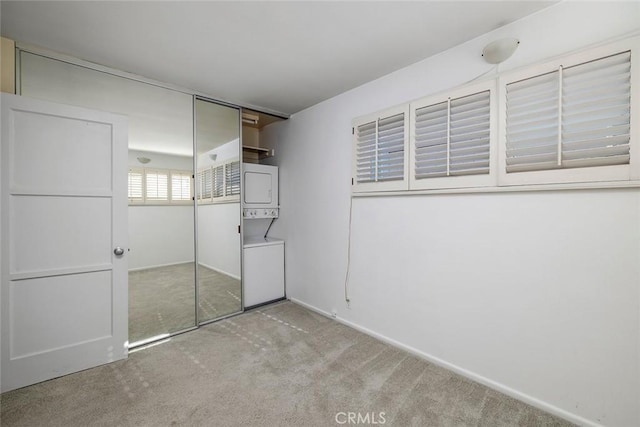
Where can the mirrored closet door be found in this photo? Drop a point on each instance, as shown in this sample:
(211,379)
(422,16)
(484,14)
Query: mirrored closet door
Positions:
(218,164)
(161,208)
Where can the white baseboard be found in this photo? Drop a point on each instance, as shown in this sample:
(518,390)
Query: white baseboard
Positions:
(219,271)
(547,407)
(160,265)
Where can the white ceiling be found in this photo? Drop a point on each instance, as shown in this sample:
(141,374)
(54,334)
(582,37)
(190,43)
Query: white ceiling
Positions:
(277,56)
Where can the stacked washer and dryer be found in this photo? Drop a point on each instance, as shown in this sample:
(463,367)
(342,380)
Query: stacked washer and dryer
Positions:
(263,273)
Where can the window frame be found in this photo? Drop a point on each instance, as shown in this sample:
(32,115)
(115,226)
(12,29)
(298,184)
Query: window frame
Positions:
(588,174)
(395,185)
(462,181)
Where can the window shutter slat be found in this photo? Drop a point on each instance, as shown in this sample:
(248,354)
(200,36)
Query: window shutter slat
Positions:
(531,158)
(533,166)
(437,147)
(599,161)
(595,143)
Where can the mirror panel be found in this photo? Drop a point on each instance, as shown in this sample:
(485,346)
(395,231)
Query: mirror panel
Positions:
(161,209)
(218,210)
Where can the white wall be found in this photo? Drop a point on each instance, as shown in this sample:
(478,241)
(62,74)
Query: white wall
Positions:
(536,294)
(160,235)
(160,160)
(218,238)
(224,153)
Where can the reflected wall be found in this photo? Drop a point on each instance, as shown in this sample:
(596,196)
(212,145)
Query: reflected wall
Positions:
(218,210)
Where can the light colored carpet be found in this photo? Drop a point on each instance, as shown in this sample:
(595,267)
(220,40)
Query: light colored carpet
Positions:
(280,365)
(162,299)
(220,295)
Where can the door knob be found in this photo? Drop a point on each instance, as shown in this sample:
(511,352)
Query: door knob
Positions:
(118,251)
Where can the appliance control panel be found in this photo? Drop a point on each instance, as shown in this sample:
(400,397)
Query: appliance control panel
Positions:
(251,213)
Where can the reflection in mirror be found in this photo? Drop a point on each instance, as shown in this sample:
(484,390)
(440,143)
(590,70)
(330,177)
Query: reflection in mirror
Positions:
(161,219)
(161,265)
(218,196)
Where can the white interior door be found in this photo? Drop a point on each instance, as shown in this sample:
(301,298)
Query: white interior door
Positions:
(64,211)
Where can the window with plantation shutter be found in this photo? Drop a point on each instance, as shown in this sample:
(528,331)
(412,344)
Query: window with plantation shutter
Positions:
(432,141)
(366,152)
(469,134)
(381,150)
(156,185)
(218,181)
(180,186)
(205,184)
(596,104)
(219,184)
(135,186)
(571,123)
(380,154)
(198,185)
(159,186)
(232,178)
(451,139)
(533,123)
(390,148)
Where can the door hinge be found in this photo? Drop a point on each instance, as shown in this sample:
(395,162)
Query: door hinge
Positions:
(351,181)
(238,229)
(353,131)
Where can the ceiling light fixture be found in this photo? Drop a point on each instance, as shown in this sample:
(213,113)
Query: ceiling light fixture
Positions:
(500,50)
(144,160)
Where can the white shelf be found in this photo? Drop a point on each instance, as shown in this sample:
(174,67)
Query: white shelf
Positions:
(263,153)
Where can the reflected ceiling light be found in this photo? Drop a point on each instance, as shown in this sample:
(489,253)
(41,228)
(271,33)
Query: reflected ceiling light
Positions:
(250,119)
(144,160)
(500,50)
